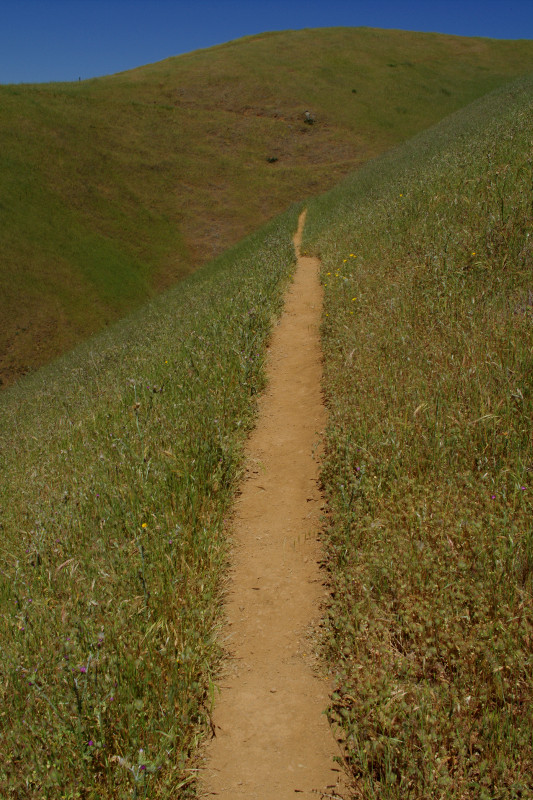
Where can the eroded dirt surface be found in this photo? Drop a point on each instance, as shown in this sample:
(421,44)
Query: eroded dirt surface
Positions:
(272,739)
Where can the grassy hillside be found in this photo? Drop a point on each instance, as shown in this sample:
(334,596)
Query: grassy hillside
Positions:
(114,188)
(118,465)
(119,462)
(427,266)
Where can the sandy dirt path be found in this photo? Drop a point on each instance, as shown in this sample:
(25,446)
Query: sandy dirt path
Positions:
(272,738)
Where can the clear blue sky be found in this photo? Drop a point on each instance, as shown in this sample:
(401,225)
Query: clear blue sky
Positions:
(61,40)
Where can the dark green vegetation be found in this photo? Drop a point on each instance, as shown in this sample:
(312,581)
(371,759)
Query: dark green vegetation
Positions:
(112,189)
(118,464)
(427,262)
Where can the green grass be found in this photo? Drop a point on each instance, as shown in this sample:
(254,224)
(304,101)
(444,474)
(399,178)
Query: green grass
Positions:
(427,261)
(115,188)
(119,463)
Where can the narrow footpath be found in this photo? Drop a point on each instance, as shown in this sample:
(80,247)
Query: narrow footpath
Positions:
(273,741)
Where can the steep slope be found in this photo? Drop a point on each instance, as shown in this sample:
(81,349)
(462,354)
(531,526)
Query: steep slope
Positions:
(114,188)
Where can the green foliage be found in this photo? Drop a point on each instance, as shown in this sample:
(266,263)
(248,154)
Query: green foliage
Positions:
(427,260)
(118,465)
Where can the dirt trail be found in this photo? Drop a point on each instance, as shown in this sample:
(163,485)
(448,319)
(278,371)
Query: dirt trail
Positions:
(272,739)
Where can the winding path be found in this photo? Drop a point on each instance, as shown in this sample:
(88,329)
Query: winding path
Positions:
(272,739)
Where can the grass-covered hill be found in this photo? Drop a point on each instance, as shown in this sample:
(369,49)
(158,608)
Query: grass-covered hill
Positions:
(113,189)
(427,334)
(119,462)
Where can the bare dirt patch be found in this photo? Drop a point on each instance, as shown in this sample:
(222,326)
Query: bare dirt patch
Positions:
(272,738)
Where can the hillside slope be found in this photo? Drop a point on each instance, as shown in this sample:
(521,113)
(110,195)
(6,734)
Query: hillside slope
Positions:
(114,188)
(427,264)
(120,460)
